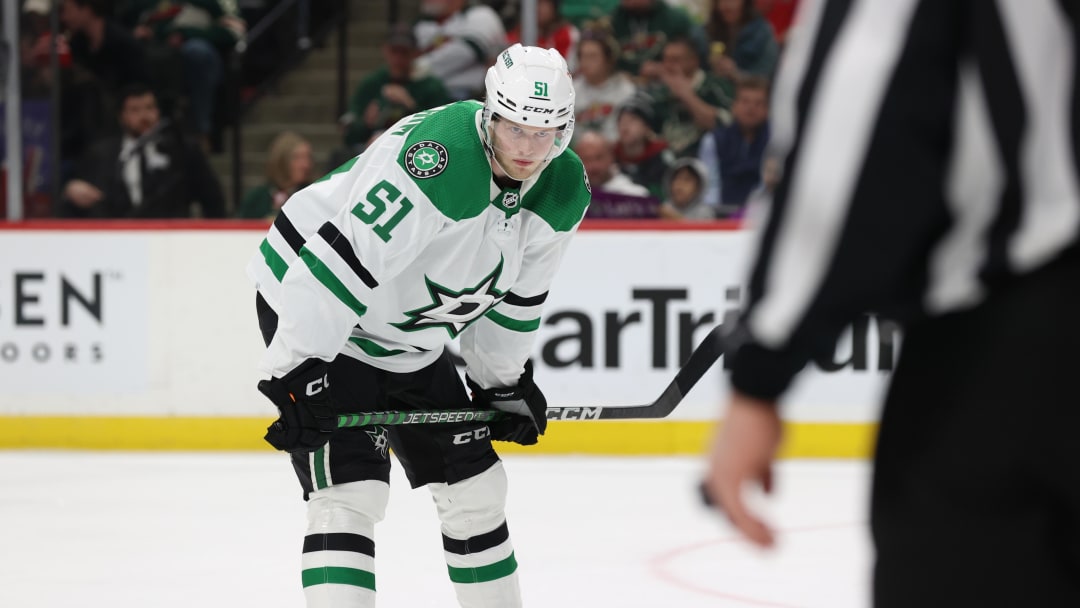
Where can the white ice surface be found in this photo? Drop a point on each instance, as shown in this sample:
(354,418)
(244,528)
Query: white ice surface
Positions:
(177,530)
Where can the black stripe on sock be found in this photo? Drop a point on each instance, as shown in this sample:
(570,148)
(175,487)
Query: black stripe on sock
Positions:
(341,245)
(339,541)
(516,300)
(289,233)
(476,544)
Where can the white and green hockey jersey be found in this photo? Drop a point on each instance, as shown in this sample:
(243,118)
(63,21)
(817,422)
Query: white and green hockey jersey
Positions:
(412,244)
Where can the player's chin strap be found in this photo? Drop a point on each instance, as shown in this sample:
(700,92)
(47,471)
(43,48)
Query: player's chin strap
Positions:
(485,140)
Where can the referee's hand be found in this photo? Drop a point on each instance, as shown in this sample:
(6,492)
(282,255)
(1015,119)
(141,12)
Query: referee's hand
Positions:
(743,450)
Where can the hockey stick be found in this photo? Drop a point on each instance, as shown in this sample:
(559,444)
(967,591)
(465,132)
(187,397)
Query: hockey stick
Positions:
(703,357)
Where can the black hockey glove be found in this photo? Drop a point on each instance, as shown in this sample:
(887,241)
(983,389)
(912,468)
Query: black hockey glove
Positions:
(525,402)
(302,397)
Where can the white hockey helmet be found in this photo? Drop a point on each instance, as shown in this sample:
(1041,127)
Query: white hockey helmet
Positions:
(530,86)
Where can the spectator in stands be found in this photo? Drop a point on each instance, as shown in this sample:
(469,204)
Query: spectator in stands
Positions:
(391,92)
(150,171)
(642,28)
(82,104)
(458,42)
(203,32)
(640,153)
(733,153)
(102,46)
(685,185)
(598,156)
(554,32)
(289,167)
(598,88)
(690,100)
(742,41)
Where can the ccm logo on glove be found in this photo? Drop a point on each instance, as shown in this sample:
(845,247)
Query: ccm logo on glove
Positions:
(316,386)
(306,417)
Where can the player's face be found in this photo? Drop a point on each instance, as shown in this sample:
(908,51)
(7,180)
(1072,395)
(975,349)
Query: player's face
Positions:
(519,149)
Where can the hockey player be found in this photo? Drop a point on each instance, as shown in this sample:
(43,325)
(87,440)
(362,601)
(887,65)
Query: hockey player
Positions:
(452,224)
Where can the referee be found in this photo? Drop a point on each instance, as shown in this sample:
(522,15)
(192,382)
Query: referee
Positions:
(929,152)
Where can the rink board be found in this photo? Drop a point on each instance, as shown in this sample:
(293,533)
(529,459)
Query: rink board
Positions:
(122,335)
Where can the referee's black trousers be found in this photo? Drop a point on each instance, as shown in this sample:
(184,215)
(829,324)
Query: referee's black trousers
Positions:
(973,500)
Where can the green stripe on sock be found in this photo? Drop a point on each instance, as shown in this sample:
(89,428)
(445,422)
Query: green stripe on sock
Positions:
(484,574)
(338,576)
(334,284)
(513,324)
(374,349)
(320,468)
(273,260)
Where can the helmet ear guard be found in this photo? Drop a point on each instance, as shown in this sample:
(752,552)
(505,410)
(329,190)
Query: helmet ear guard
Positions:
(532,87)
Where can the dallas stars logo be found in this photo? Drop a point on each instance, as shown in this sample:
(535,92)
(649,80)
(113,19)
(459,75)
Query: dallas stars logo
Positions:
(455,310)
(426,159)
(380,439)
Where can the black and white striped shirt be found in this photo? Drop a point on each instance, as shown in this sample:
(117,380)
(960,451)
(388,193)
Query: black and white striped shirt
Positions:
(929,152)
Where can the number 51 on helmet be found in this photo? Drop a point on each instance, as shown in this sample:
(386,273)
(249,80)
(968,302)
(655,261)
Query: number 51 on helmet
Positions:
(532,87)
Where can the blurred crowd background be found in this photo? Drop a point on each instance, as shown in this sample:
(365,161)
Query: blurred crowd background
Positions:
(224,108)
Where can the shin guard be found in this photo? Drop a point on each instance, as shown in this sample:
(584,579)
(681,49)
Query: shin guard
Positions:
(339,548)
(476,541)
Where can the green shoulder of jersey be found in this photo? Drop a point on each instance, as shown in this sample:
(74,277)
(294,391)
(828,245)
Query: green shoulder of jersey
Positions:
(444,156)
(562,193)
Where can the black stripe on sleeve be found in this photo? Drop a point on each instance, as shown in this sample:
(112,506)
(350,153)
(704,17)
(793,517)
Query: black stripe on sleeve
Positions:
(1008,113)
(339,541)
(289,232)
(895,196)
(516,300)
(835,14)
(476,544)
(341,245)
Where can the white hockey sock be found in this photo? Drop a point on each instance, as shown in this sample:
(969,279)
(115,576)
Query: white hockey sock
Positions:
(339,547)
(476,541)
